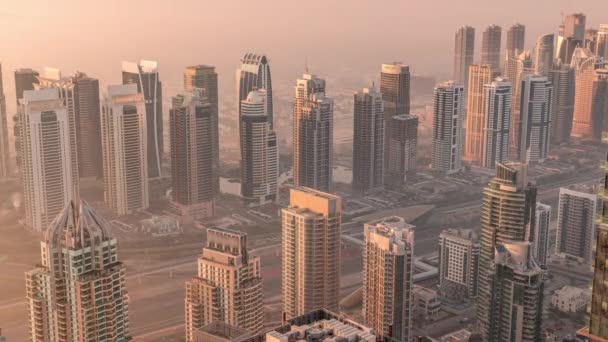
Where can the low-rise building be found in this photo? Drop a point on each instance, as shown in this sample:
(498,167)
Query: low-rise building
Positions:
(161,226)
(570,299)
(426,303)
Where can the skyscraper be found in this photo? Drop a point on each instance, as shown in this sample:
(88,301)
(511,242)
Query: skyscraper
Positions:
(448,127)
(192,160)
(51,78)
(518,294)
(491,47)
(540,234)
(259,151)
(205,77)
(88,125)
(145,75)
(368,141)
(78,292)
(479,76)
(464,53)
(228,287)
(563,80)
(508,209)
(403,144)
(516,69)
(313,131)
(590,41)
(601,43)
(543,54)
(124,141)
(571,36)
(598,309)
(310,267)
(388,277)
(47,177)
(497,113)
(5,164)
(534,118)
(25,79)
(591,96)
(576,225)
(395,90)
(253,74)
(516,36)
(458,261)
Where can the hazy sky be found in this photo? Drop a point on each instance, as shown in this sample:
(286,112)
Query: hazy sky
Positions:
(335,36)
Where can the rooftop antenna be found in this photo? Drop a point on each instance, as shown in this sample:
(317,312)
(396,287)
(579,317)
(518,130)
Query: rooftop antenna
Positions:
(306,64)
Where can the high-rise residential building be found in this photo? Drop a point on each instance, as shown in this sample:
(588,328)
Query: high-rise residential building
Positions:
(145,75)
(573,26)
(403,144)
(497,112)
(571,36)
(598,309)
(516,37)
(518,294)
(368,141)
(591,96)
(205,77)
(25,79)
(88,126)
(491,47)
(192,159)
(228,287)
(259,151)
(253,74)
(601,42)
(464,53)
(479,76)
(540,234)
(543,54)
(310,267)
(388,277)
(5,164)
(124,140)
(516,69)
(313,132)
(448,127)
(576,225)
(51,78)
(47,177)
(458,261)
(395,90)
(590,41)
(562,78)
(508,209)
(78,292)
(534,118)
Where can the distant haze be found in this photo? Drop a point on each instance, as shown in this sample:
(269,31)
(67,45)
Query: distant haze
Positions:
(337,37)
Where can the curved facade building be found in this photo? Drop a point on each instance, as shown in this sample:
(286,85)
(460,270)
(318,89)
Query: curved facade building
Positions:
(543,54)
(253,74)
(259,152)
(145,75)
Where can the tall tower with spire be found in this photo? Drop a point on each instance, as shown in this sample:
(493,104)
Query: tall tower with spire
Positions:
(78,292)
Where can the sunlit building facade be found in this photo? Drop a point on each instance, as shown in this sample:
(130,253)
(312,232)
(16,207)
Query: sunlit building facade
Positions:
(124,141)
(192,159)
(47,175)
(310,258)
(78,292)
(313,133)
(228,287)
(479,76)
(448,127)
(388,277)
